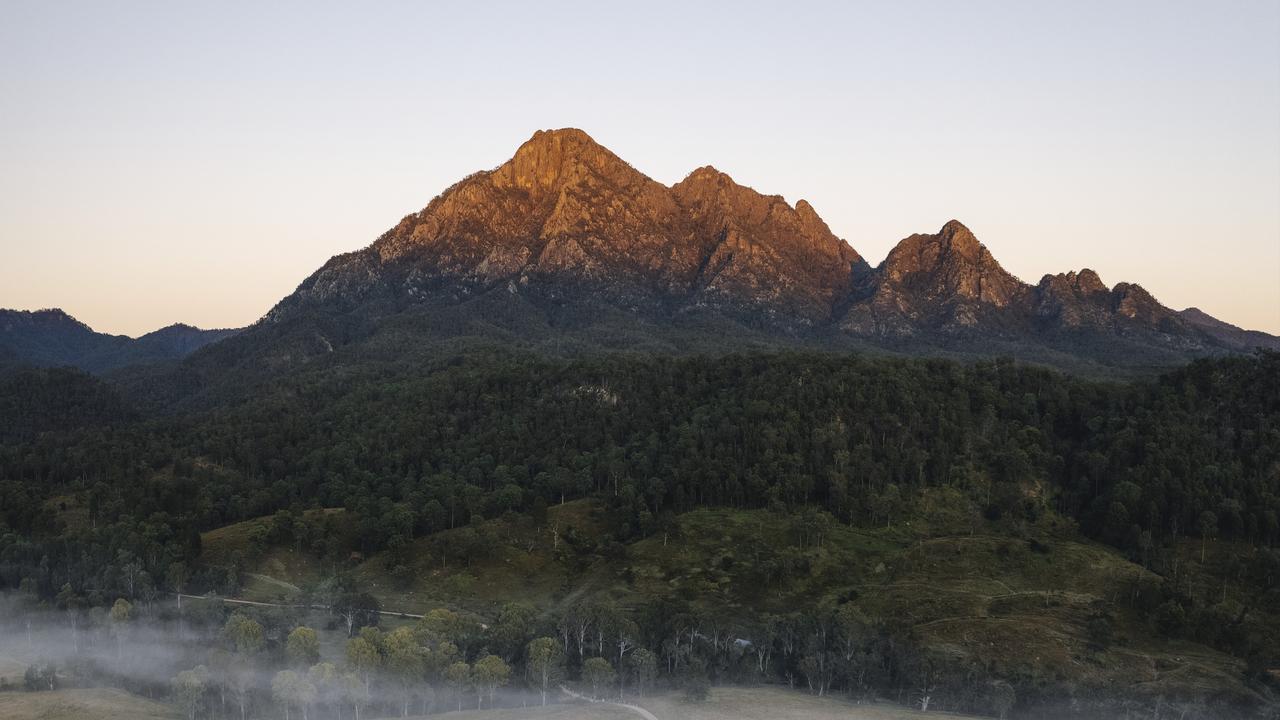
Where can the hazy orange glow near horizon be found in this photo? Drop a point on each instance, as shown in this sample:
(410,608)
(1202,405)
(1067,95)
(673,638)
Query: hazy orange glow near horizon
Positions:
(177,162)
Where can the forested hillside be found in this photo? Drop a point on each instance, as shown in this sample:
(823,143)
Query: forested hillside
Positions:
(102,508)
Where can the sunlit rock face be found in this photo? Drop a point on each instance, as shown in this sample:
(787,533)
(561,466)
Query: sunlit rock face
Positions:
(944,282)
(566,217)
(566,223)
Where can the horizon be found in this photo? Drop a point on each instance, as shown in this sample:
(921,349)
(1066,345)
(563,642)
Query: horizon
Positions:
(193,166)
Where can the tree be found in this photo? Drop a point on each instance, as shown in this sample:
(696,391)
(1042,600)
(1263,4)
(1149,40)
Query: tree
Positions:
(352,687)
(364,657)
(643,665)
(176,577)
(40,676)
(440,624)
(458,677)
(291,689)
(1003,698)
(925,683)
(598,672)
(886,503)
(1100,632)
(328,684)
(1208,525)
(489,674)
(406,662)
(246,638)
(544,662)
(121,612)
(853,635)
(697,686)
(513,629)
(245,634)
(72,602)
(303,646)
(357,610)
(188,689)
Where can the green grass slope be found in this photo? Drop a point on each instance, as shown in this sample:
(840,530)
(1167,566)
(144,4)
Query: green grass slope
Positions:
(82,704)
(1021,601)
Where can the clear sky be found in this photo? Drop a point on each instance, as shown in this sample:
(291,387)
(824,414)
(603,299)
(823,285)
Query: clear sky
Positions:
(171,161)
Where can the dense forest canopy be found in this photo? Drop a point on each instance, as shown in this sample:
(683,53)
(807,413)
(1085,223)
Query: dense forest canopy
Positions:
(649,435)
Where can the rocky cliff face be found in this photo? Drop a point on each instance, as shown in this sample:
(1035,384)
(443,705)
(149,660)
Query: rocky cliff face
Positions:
(1073,300)
(567,222)
(946,282)
(759,251)
(567,219)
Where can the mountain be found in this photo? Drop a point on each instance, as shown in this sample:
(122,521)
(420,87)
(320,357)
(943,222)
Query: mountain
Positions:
(52,338)
(566,248)
(1227,333)
(566,220)
(947,282)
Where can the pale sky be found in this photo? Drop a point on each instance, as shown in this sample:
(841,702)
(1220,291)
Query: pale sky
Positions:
(165,162)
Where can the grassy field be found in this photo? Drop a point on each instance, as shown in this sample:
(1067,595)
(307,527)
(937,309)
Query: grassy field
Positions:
(575,711)
(82,704)
(11,671)
(526,563)
(776,704)
(723,704)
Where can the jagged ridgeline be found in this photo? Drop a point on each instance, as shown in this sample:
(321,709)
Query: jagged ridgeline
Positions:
(567,221)
(566,249)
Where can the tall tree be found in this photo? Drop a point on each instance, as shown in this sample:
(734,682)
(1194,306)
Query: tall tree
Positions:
(598,673)
(188,689)
(302,647)
(544,663)
(489,674)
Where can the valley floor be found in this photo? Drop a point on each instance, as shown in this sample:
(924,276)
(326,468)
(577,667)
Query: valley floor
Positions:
(82,704)
(725,703)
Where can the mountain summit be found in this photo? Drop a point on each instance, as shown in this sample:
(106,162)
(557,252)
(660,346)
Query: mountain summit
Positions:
(568,220)
(568,245)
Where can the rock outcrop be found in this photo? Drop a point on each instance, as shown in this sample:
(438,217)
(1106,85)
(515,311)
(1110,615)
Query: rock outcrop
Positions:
(946,282)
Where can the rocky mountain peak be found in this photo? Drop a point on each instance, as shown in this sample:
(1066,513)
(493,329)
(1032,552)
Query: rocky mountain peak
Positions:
(957,238)
(950,264)
(714,199)
(1073,300)
(1089,282)
(779,257)
(946,281)
(709,190)
(1082,284)
(553,157)
(1132,301)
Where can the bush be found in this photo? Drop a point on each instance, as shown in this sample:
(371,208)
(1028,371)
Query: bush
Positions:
(40,676)
(1170,618)
(1100,633)
(697,687)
